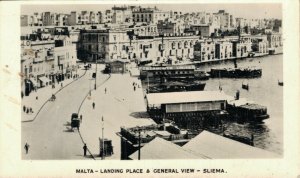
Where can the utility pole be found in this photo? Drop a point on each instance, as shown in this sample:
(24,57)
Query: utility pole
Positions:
(96,74)
(102,138)
(90,82)
(139,153)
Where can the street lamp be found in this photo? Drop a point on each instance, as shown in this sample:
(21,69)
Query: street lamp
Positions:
(96,74)
(90,82)
(102,138)
(139,151)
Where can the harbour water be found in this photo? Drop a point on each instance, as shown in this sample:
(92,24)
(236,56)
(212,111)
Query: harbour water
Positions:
(264,91)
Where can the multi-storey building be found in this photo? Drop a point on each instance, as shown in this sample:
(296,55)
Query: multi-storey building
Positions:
(203,30)
(274,40)
(47,19)
(44,57)
(223,50)
(149,15)
(117,44)
(146,30)
(36,19)
(24,21)
(73,18)
(224,18)
(106,17)
(204,51)
(241,49)
(121,15)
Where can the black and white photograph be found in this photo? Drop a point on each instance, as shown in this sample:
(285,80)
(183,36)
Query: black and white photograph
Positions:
(151,81)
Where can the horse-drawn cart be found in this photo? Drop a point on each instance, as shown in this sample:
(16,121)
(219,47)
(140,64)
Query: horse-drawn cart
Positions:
(75,121)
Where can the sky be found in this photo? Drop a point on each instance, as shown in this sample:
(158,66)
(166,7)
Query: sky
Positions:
(245,10)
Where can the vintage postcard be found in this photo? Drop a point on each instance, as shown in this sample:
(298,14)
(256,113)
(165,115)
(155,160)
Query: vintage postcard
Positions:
(158,89)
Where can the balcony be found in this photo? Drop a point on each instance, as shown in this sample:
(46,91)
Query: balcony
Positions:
(146,48)
(162,47)
(37,60)
(130,49)
(49,58)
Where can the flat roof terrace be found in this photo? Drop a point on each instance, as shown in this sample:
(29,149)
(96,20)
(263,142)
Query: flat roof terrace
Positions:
(185,97)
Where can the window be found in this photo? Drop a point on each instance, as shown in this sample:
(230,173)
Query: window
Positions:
(115,37)
(141,46)
(150,45)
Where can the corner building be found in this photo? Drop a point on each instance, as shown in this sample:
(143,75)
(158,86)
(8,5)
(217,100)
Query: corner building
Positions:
(111,44)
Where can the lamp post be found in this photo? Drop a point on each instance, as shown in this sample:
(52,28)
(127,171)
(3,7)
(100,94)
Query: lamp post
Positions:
(96,74)
(102,138)
(139,152)
(90,82)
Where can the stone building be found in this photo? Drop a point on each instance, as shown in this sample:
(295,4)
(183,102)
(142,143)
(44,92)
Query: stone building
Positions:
(223,50)
(111,44)
(205,51)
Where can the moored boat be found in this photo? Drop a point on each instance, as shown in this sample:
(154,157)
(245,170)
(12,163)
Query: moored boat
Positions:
(235,73)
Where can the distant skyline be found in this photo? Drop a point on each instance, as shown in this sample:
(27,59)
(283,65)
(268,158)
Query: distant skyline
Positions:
(244,10)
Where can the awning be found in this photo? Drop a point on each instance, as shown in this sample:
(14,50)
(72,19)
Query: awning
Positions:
(33,82)
(145,60)
(44,79)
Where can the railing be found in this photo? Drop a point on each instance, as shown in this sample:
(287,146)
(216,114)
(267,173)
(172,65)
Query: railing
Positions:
(35,60)
(49,58)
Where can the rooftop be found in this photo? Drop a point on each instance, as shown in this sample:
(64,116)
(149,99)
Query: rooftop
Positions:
(217,147)
(162,149)
(185,97)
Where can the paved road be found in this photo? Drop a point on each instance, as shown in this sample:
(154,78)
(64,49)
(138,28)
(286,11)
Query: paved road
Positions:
(120,106)
(48,135)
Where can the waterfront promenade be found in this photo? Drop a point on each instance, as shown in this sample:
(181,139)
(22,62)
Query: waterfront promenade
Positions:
(120,106)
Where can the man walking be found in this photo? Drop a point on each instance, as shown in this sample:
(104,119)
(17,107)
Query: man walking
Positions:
(105,90)
(93,105)
(26,147)
(84,149)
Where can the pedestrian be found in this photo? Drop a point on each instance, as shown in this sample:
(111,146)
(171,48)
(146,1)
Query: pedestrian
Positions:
(31,110)
(27,111)
(61,84)
(134,88)
(93,105)
(105,90)
(24,108)
(36,97)
(80,118)
(84,149)
(26,147)
(22,94)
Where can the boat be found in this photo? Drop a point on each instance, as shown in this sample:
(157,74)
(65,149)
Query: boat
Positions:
(245,86)
(201,75)
(235,73)
(170,72)
(249,112)
(177,86)
(280,83)
(242,139)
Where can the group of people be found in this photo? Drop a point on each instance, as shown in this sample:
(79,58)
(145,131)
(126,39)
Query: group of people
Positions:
(135,85)
(26,147)
(27,109)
